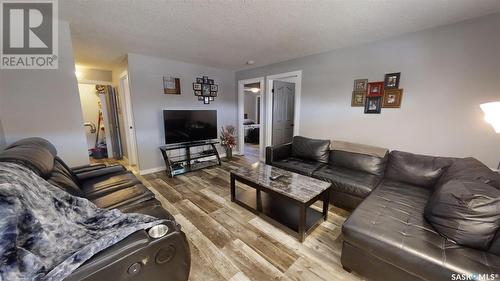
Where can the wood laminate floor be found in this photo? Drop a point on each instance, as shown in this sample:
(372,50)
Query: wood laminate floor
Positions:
(230,243)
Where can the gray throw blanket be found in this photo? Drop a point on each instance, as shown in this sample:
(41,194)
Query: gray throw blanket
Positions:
(46,233)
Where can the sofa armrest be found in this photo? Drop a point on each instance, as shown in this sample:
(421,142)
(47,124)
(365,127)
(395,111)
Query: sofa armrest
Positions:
(100,172)
(141,258)
(85,168)
(278,152)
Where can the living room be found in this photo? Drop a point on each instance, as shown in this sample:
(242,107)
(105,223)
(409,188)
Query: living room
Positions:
(329,140)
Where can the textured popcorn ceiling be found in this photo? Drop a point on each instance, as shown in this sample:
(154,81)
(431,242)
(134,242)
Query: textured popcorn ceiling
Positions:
(226,34)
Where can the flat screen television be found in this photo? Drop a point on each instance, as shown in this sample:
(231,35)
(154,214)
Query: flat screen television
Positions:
(189,125)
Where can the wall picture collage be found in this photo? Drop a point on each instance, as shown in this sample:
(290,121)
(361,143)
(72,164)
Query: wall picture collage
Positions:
(373,96)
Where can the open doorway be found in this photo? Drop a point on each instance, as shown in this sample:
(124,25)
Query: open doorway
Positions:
(95,118)
(283,100)
(250,119)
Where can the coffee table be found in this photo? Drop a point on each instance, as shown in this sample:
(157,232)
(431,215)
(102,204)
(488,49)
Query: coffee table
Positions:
(286,200)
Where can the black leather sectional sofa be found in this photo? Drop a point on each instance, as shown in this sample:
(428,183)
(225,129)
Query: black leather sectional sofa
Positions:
(138,257)
(387,237)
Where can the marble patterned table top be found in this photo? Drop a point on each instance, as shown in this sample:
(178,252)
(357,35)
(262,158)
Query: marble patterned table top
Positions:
(293,185)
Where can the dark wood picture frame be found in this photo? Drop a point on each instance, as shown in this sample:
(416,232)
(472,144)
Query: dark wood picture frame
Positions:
(391,80)
(373,105)
(197,86)
(392,98)
(358,98)
(375,89)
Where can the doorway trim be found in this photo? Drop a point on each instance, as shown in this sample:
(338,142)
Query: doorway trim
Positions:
(129,120)
(293,77)
(241,102)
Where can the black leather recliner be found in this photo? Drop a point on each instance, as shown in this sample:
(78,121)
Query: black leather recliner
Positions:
(110,187)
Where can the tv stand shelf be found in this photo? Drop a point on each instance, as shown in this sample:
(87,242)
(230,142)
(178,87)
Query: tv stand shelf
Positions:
(177,165)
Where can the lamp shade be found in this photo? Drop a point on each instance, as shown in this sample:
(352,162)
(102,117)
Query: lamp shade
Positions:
(492,114)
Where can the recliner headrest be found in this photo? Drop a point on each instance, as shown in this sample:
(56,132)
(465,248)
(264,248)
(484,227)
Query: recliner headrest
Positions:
(35,153)
(35,141)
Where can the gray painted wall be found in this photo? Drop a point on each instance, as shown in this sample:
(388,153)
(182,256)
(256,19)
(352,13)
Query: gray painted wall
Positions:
(148,101)
(446,73)
(45,103)
(2,136)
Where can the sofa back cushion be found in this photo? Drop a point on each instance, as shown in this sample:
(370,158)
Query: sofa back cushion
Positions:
(310,149)
(467,212)
(374,165)
(38,159)
(470,169)
(416,169)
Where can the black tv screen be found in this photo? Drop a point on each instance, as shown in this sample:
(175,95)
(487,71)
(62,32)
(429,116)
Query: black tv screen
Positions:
(189,125)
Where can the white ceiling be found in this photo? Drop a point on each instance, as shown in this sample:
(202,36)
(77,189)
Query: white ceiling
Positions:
(226,34)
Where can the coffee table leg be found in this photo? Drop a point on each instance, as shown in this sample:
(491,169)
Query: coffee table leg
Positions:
(259,200)
(233,188)
(326,203)
(302,222)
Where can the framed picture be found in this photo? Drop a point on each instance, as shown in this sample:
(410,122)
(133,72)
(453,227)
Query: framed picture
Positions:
(205,90)
(199,80)
(392,98)
(212,98)
(211,81)
(375,89)
(358,98)
(197,93)
(196,86)
(373,104)
(200,98)
(206,100)
(214,88)
(391,80)
(171,85)
(205,79)
(360,85)
(213,94)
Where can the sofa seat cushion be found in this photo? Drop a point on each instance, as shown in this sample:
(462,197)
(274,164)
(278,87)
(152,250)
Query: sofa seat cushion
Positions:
(467,212)
(350,181)
(390,225)
(125,197)
(301,166)
(104,184)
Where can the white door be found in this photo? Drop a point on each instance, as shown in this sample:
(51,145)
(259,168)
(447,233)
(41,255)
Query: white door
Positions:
(283,112)
(129,126)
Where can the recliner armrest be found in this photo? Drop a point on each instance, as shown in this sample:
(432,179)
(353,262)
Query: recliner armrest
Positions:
(100,172)
(85,168)
(140,257)
(278,152)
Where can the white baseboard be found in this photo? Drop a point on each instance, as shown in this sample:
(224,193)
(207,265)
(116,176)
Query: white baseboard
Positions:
(162,168)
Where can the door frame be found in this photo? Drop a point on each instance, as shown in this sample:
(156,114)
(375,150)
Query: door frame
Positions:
(293,77)
(129,121)
(241,111)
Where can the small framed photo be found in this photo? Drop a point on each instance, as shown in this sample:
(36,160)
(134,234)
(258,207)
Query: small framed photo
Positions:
(199,80)
(213,94)
(196,86)
(211,81)
(214,88)
(358,98)
(205,90)
(205,79)
(360,85)
(206,100)
(392,98)
(373,105)
(375,89)
(197,92)
(212,98)
(391,80)
(200,98)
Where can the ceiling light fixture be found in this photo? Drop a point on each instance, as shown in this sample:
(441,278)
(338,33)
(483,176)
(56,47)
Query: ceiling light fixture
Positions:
(250,62)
